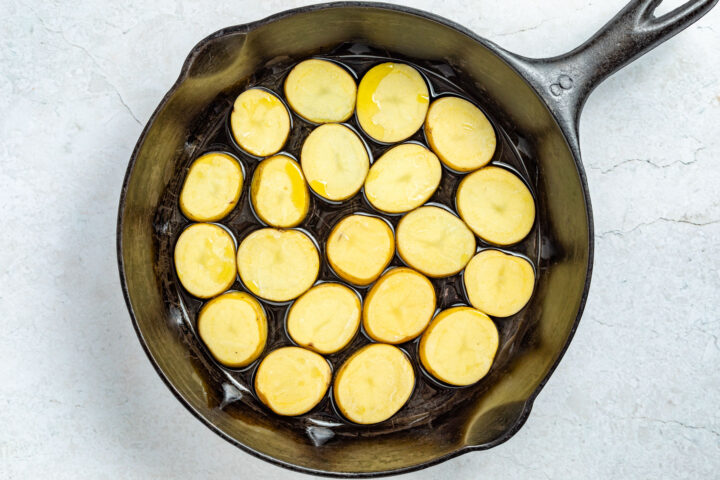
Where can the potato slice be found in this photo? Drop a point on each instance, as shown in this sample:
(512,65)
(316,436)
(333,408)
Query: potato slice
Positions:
(205,260)
(234,328)
(459,346)
(496,205)
(399,306)
(497,283)
(325,318)
(360,247)
(321,91)
(260,123)
(279,193)
(335,161)
(212,187)
(392,101)
(460,134)
(404,178)
(292,380)
(434,241)
(373,384)
(278,265)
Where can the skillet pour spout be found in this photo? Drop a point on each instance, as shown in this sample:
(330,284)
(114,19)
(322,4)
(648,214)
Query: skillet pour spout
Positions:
(536,103)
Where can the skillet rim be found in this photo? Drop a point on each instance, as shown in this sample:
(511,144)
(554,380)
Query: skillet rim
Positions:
(513,62)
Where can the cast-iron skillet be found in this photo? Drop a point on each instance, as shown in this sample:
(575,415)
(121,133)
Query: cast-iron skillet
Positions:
(536,102)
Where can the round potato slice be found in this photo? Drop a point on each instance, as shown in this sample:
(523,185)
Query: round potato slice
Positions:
(335,161)
(399,306)
(320,91)
(459,346)
(404,178)
(278,192)
(325,318)
(212,187)
(292,380)
(278,265)
(460,134)
(497,283)
(392,101)
(434,241)
(205,260)
(373,384)
(260,123)
(234,328)
(360,247)
(496,205)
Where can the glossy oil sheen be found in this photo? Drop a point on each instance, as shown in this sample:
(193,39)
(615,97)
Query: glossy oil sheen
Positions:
(429,399)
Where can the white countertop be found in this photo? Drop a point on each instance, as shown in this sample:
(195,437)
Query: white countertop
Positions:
(636,395)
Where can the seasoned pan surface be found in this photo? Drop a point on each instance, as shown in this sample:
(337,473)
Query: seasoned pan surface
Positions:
(232,389)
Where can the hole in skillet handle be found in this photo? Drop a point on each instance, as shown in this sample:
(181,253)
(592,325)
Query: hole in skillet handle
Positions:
(566,81)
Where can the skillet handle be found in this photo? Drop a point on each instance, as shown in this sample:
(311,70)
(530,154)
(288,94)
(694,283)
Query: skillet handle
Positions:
(566,81)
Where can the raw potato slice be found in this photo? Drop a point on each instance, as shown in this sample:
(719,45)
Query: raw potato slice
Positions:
(321,91)
(205,260)
(234,328)
(292,380)
(399,306)
(434,241)
(373,384)
(404,178)
(496,205)
(278,192)
(459,346)
(212,187)
(260,123)
(278,265)
(360,247)
(392,101)
(335,161)
(460,134)
(497,283)
(325,318)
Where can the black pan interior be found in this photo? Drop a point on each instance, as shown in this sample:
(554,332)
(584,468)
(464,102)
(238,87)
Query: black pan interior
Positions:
(438,421)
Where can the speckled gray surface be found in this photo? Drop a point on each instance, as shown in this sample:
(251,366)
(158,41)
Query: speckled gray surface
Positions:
(636,395)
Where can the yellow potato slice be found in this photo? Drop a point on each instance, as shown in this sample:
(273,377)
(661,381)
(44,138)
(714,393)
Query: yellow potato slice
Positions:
(497,283)
(459,346)
(392,101)
(335,161)
(205,260)
(278,265)
(212,187)
(278,192)
(404,178)
(359,248)
(292,380)
(496,205)
(325,318)
(460,134)
(434,241)
(373,384)
(399,306)
(260,123)
(234,328)
(320,91)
